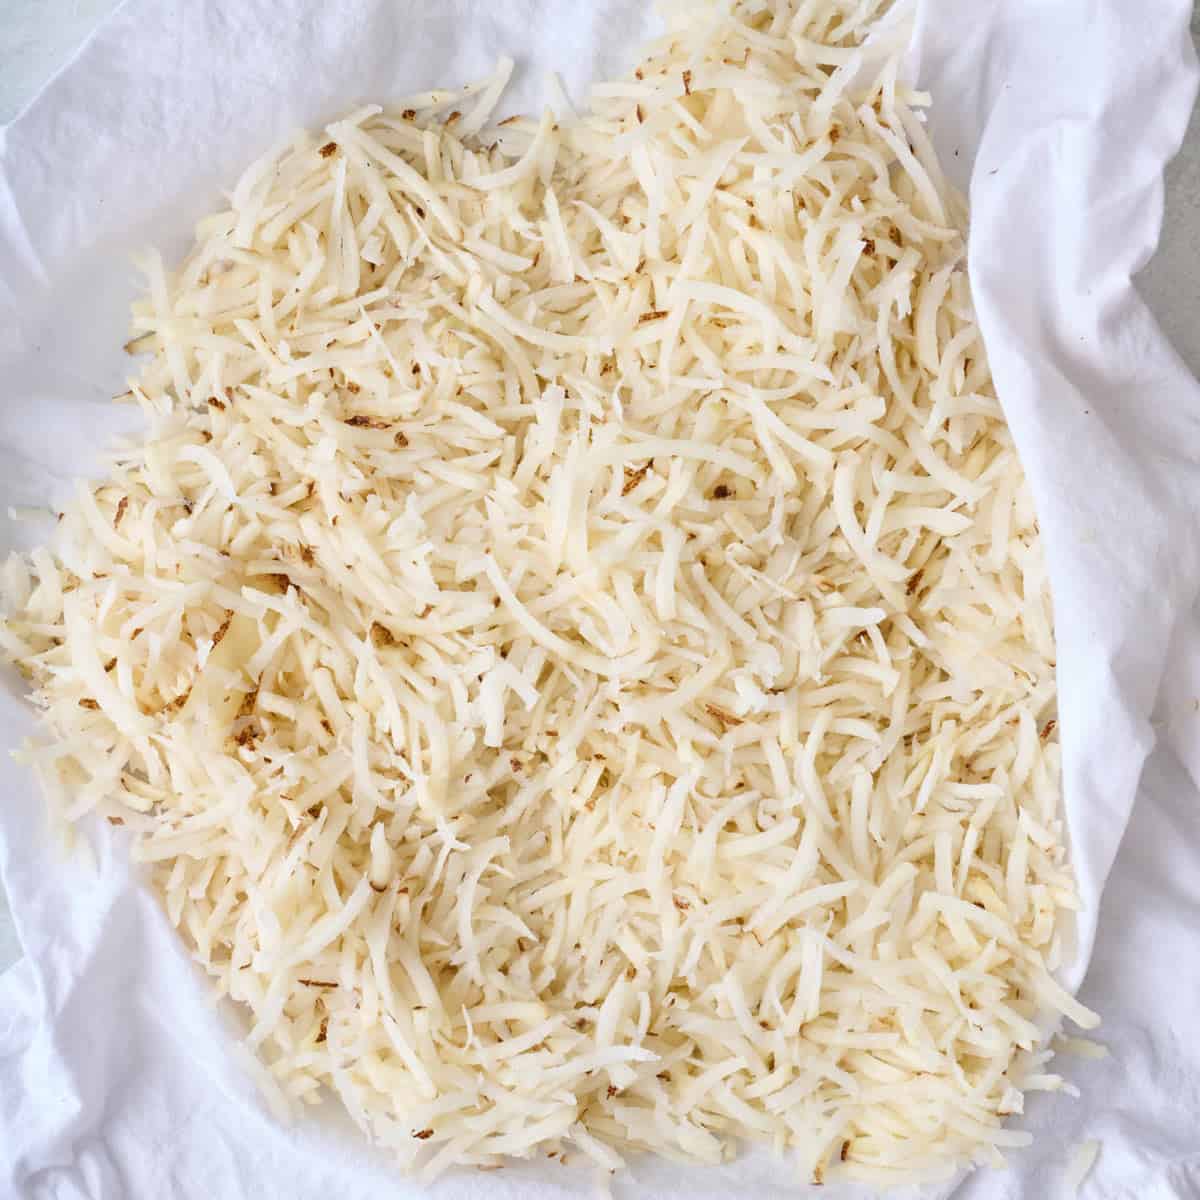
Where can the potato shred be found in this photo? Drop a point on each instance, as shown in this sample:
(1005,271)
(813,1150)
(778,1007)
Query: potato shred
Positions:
(574,648)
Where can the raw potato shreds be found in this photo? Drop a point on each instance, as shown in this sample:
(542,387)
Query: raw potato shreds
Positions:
(574,651)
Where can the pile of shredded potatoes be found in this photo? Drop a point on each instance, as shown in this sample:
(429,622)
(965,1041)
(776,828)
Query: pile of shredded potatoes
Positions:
(574,649)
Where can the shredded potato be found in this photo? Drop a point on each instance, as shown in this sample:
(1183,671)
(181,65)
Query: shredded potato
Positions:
(574,650)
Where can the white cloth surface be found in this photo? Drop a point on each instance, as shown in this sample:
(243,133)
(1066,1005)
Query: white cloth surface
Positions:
(118,1076)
